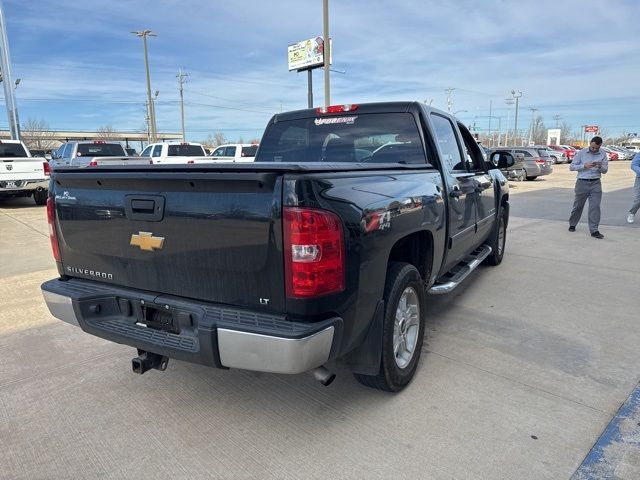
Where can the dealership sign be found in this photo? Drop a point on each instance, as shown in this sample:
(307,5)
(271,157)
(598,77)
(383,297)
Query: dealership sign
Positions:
(591,128)
(306,54)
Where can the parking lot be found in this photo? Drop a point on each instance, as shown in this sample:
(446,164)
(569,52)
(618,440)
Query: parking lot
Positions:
(523,369)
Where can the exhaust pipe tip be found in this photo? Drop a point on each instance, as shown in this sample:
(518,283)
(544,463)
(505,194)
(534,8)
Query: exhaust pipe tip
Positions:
(323,375)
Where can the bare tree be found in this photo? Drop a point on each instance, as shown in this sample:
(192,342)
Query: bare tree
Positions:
(219,139)
(37,135)
(539,131)
(254,141)
(566,137)
(106,132)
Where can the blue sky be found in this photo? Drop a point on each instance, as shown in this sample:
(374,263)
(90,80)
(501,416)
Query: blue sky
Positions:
(82,69)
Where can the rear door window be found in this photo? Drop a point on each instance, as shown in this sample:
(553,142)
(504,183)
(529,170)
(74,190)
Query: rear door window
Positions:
(249,151)
(356,138)
(448,144)
(157,151)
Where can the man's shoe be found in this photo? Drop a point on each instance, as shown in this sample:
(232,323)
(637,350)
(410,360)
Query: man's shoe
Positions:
(572,228)
(630,218)
(597,234)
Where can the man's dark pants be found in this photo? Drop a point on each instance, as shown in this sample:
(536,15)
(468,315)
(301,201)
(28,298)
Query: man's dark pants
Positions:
(587,189)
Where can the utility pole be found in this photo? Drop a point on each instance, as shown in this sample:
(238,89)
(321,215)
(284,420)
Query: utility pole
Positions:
(533,119)
(509,101)
(326,51)
(9,94)
(181,79)
(449,99)
(516,94)
(490,136)
(147,121)
(557,119)
(152,114)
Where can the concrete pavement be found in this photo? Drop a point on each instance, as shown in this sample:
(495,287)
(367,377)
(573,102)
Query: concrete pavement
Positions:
(523,368)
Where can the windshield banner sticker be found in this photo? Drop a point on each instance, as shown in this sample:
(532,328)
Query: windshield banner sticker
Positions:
(333,120)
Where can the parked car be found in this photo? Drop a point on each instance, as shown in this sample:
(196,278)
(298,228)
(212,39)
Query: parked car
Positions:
(87,153)
(568,151)
(537,161)
(557,156)
(612,155)
(236,152)
(22,175)
(303,257)
(174,152)
(623,153)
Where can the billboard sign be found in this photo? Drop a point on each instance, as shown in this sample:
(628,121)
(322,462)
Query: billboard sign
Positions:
(591,128)
(306,54)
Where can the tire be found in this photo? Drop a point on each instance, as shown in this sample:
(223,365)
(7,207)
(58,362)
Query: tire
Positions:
(396,371)
(40,197)
(532,178)
(498,239)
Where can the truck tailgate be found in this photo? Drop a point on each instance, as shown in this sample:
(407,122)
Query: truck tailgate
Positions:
(28,168)
(209,236)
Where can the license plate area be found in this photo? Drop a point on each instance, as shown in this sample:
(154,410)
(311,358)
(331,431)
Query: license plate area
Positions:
(156,316)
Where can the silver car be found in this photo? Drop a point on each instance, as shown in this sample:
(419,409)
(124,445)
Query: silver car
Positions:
(537,161)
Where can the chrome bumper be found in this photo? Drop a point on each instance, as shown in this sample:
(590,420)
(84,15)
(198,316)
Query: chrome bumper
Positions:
(272,352)
(24,185)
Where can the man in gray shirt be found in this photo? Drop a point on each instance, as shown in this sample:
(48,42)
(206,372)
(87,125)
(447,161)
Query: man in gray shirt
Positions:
(590,163)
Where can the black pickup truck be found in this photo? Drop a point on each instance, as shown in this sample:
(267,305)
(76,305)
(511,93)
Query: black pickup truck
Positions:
(325,248)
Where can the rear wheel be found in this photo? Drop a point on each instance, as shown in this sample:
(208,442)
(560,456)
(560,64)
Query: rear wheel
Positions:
(403,329)
(498,239)
(532,178)
(40,197)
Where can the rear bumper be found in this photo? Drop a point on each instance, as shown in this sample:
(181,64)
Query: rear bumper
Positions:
(22,186)
(203,333)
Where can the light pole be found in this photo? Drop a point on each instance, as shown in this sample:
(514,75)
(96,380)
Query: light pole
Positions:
(326,51)
(509,102)
(533,119)
(449,99)
(181,79)
(152,114)
(516,95)
(5,68)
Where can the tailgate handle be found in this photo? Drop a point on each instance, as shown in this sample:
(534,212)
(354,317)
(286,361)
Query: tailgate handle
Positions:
(144,207)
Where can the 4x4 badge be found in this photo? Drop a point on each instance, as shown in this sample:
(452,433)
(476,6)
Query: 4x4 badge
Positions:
(146,241)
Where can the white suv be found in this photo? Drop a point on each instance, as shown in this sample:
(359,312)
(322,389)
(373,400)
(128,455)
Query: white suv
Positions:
(174,152)
(235,152)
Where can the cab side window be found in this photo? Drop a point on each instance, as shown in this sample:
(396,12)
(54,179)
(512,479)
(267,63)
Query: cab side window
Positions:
(473,154)
(218,152)
(147,151)
(157,151)
(448,144)
(230,152)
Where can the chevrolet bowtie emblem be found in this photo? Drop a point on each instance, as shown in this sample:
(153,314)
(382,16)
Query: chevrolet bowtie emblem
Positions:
(146,241)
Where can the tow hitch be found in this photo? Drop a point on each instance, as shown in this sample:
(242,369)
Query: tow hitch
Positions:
(148,360)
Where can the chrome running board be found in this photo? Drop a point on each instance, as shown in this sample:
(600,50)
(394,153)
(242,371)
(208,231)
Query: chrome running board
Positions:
(457,274)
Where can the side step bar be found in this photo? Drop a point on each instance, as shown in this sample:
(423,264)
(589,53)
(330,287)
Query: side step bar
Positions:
(453,278)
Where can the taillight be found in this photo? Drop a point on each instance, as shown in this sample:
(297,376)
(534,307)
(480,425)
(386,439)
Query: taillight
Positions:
(350,107)
(190,161)
(313,251)
(93,163)
(53,236)
(541,161)
(47,168)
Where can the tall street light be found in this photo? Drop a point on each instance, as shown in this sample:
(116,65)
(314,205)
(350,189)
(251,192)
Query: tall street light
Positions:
(152,114)
(326,51)
(516,94)
(533,121)
(509,102)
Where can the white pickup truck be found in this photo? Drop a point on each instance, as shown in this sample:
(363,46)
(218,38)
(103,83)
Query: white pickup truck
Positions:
(22,175)
(174,152)
(235,152)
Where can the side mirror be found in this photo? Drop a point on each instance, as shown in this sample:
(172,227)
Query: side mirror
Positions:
(501,160)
